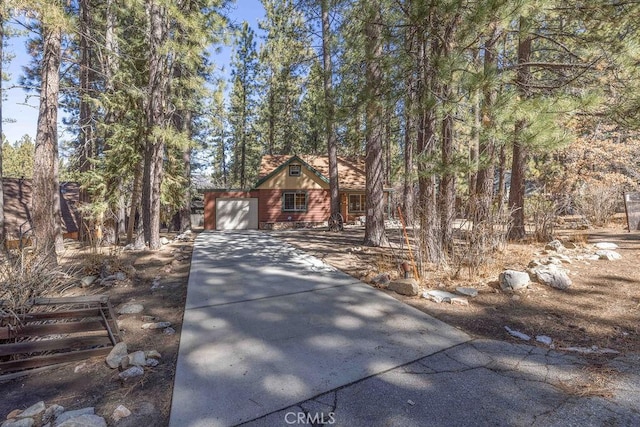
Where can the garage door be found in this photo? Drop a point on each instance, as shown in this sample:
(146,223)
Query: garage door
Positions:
(237,214)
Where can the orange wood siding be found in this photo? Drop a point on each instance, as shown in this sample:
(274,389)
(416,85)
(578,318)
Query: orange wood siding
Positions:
(210,204)
(270,207)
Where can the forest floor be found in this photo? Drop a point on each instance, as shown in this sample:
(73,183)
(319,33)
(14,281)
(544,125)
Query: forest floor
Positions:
(599,311)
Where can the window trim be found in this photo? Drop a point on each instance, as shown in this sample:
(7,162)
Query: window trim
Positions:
(363,202)
(296,168)
(295,193)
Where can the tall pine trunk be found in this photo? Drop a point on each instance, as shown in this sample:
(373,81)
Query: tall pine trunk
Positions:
(519,162)
(46,189)
(374,234)
(332,144)
(408,198)
(2,234)
(156,120)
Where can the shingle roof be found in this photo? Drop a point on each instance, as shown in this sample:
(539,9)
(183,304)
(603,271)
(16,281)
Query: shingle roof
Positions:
(351,170)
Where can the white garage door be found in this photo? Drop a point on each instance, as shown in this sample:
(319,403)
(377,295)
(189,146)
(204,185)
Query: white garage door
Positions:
(237,214)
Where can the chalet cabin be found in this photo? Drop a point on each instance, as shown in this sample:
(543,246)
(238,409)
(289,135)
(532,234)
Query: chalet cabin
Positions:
(291,191)
(18,211)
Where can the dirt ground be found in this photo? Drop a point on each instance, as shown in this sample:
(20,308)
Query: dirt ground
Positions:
(600,309)
(78,385)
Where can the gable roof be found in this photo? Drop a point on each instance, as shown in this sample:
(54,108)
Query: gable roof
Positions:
(351,171)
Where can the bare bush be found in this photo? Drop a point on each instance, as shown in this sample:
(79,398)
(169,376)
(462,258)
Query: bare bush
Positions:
(26,274)
(597,202)
(477,243)
(542,210)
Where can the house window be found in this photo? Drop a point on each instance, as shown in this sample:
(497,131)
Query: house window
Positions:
(294,202)
(357,202)
(294,170)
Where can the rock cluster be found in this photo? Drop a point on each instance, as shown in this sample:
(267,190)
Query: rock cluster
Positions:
(550,267)
(131,364)
(41,415)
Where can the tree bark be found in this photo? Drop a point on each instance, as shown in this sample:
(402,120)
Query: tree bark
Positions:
(46,188)
(85,137)
(332,144)
(374,234)
(519,162)
(156,120)
(2,233)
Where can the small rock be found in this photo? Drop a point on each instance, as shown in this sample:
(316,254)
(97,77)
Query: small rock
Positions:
(381,280)
(544,339)
(87,281)
(511,280)
(438,296)
(69,415)
(156,325)
(152,362)
(153,354)
(22,422)
(407,287)
(459,301)
(132,372)
(120,412)
(80,368)
(117,353)
(517,334)
(551,275)
(14,414)
(52,413)
(137,358)
(608,255)
(130,308)
(33,411)
(570,245)
(164,241)
(88,420)
(469,292)
(606,245)
(555,245)
(411,402)
(169,331)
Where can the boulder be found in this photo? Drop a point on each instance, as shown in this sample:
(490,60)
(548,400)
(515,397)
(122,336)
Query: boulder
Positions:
(120,412)
(551,275)
(116,355)
(88,420)
(381,280)
(130,308)
(512,280)
(132,372)
(22,422)
(609,255)
(33,411)
(137,358)
(469,292)
(52,412)
(606,245)
(555,245)
(69,415)
(407,287)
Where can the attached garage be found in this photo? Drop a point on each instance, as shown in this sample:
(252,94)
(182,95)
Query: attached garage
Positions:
(236,213)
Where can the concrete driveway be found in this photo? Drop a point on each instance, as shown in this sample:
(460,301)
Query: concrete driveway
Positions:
(272,336)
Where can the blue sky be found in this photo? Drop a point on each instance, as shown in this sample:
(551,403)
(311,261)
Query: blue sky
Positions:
(24,113)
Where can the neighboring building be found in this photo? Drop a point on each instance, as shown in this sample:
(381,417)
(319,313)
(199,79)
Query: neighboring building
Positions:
(17,208)
(292,191)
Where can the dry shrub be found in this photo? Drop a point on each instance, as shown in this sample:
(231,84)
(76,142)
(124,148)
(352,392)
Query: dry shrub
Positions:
(26,274)
(598,202)
(478,243)
(542,211)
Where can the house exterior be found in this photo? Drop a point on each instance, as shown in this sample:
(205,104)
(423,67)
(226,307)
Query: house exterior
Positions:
(291,191)
(17,208)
